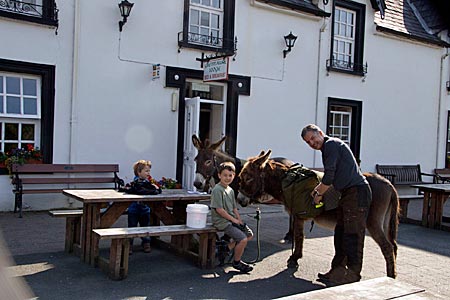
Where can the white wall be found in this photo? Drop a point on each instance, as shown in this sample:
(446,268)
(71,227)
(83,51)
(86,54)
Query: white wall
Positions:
(28,42)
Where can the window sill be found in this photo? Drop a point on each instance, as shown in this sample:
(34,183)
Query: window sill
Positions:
(31,19)
(183,44)
(346,71)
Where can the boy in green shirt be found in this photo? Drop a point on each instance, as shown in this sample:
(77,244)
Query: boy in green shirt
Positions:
(226,218)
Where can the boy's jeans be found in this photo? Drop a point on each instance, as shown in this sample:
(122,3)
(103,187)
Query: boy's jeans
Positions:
(141,219)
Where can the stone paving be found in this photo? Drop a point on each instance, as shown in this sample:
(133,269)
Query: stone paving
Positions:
(37,244)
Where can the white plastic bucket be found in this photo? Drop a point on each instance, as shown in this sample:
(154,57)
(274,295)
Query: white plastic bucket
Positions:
(196,215)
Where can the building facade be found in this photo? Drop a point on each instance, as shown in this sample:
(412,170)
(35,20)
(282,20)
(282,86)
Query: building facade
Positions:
(83,90)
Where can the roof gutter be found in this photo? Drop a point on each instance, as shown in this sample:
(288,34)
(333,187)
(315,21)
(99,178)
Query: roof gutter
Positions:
(436,42)
(282,6)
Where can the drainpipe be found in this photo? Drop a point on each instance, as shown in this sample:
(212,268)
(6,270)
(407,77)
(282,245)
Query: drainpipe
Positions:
(74,92)
(74,96)
(443,57)
(316,116)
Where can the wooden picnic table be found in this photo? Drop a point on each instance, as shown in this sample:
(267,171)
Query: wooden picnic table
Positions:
(434,199)
(116,203)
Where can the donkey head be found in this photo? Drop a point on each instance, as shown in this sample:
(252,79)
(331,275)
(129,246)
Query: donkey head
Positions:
(206,161)
(251,179)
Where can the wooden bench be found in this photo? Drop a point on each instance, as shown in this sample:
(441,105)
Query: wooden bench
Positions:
(377,288)
(117,264)
(53,178)
(404,176)
(73,226)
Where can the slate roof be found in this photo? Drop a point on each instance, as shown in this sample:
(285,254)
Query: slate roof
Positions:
(404,17)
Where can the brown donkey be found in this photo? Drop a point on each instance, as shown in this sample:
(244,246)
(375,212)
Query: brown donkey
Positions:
(261,176)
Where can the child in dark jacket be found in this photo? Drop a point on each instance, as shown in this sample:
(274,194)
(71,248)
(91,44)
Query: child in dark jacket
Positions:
(138,212)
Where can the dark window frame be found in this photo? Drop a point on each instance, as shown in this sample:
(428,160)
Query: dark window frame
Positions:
(49,14)
(228,45)
(358,66)
(355,136)
(47,74)
(236,85)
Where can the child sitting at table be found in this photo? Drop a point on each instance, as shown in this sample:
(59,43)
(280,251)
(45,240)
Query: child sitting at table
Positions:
(225,216)
(138,212)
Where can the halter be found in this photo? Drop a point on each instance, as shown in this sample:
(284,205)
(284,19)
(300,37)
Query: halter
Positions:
(253,196)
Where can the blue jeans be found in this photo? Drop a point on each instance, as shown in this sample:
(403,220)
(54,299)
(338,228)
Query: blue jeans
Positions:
(143,220)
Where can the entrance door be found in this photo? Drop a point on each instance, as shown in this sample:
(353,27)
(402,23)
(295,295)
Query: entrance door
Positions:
(192,118)
(206,119)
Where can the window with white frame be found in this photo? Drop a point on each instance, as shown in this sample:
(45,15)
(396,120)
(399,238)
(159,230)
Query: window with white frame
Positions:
(20,111)
(347,38)
(344,38)
(344,119)
(205,22)
(340,123)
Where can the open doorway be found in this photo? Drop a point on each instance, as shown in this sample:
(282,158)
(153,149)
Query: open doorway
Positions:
(205,108)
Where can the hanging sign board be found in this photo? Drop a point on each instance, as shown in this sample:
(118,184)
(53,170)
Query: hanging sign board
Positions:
(216,69)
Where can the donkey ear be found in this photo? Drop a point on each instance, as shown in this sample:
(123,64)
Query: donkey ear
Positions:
(217,145)
(263,158)
(197,143)
(267,155)
(266,158)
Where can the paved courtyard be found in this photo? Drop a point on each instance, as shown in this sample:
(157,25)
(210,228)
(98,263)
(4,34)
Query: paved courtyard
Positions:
(37,244)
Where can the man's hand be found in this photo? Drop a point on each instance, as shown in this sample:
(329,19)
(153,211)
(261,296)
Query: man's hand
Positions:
(317,197)
(240,226)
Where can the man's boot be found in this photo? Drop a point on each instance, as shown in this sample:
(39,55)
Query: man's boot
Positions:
(339,259)
(354,245)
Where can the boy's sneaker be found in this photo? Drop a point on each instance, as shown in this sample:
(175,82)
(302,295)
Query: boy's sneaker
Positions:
(147,248)
(242,266)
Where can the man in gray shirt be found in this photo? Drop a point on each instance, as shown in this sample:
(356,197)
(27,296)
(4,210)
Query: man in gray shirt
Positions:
(342,171)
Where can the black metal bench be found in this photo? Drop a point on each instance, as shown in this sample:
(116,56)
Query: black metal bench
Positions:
(442,175)
(404,176)
(53,178)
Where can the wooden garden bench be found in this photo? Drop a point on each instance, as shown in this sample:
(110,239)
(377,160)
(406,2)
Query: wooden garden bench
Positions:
(53,178)
(404,176)
(117,264)
(73,226)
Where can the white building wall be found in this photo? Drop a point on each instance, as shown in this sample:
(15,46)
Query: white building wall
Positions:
(283,90)
(120,115)
(35,43)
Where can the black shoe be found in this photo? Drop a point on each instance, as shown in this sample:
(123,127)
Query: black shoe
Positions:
(242,266)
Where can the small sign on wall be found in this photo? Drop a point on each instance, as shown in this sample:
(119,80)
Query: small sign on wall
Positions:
(216,69)
(155,72)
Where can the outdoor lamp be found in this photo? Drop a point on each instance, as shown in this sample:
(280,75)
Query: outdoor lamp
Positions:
(290,42)
(125,9)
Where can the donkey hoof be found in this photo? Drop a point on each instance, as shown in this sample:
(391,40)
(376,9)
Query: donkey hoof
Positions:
(292,263)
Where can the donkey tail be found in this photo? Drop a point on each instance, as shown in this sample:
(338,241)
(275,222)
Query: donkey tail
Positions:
(393,219)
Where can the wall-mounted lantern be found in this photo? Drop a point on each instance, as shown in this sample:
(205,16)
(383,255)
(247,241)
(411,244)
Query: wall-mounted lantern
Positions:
(290,42)
(125,9)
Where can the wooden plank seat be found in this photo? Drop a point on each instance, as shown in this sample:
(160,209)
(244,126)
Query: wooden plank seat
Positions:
(377,288)
(117,264)
(73,226)
(404,176)
(53,178)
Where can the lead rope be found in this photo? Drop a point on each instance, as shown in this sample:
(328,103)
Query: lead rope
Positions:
(258,244)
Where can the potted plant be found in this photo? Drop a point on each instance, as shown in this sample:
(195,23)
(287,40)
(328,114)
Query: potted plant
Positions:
(27,155)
